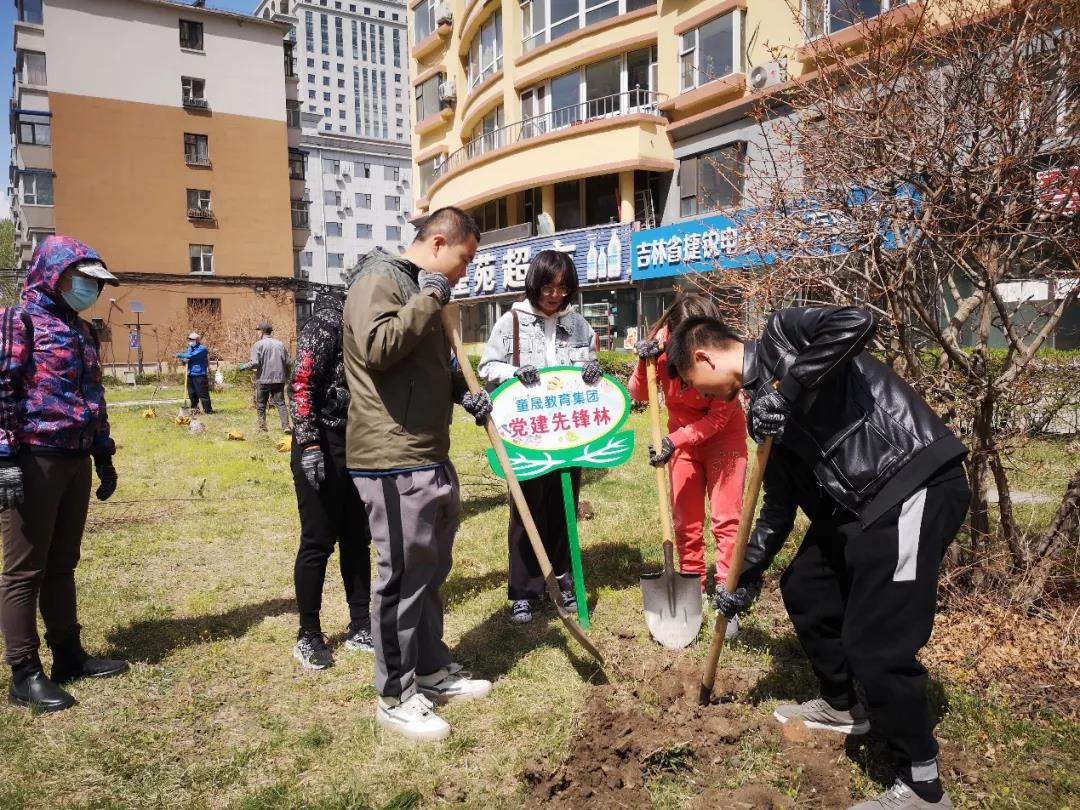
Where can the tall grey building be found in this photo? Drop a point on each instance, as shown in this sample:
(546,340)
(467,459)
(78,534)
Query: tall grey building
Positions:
(353,105)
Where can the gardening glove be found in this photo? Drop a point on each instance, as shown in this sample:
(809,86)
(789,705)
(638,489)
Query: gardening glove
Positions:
(667,447)
(11,484)
(478,404)
(245,366)
(528,375)
(313,465)
(438,285)
(732,604)
(591,372)
(646,349)
(769,413)
(106,474)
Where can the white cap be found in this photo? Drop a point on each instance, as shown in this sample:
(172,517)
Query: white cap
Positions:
(97,270)
(193,336)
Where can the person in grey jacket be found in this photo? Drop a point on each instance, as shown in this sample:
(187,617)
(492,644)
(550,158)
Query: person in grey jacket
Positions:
(543,330)
(271,360)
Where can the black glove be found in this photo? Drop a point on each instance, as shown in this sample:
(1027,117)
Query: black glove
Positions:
(478,404)
(437,283)
(648,348)
(313,465)
(106,474)
(732,604)
(591,372)
(769,413)
(528,375)
(667,447)
(11,485)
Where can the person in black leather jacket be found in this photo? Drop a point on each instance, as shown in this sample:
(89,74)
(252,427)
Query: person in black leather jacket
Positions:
(881,479)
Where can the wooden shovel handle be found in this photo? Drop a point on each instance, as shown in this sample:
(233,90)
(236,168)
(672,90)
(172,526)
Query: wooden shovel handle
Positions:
(450,317)
(746,522)
(662,491)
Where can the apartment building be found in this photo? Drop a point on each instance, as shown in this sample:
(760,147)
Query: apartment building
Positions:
(560,123)
(167,151)
(353,109)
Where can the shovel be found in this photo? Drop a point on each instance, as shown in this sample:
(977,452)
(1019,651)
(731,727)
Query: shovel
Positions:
(746,519)
(450,319)
(672,600)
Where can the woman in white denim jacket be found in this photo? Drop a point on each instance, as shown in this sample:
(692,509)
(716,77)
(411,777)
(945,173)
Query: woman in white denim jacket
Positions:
(548,332)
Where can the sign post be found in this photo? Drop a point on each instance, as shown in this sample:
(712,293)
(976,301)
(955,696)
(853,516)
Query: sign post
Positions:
(557,425)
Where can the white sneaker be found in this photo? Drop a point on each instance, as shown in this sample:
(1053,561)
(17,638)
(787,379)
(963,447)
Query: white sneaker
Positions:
(451,684)
(817,713)
(413,718)
(901,797)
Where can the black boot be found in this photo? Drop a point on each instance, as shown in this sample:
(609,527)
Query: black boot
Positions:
(71,661)
(32,690)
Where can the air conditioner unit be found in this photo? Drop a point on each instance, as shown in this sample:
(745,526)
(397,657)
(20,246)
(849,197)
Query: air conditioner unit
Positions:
(305,274)
(317,234)
(443,14)
(448,92)
(768,75)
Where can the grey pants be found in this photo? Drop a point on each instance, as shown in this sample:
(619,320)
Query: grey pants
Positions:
(271,392)
(413,519)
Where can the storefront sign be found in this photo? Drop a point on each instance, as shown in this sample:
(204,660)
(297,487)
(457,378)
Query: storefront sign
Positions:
(698,245)
(601,256)
(562,422)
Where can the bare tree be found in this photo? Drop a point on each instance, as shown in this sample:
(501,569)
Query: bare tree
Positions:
(931,176)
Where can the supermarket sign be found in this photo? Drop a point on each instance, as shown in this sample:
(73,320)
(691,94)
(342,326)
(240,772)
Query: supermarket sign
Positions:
(601,256)
(560,423)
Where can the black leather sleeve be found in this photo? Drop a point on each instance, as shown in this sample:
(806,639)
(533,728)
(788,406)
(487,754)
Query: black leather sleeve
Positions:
(775,520)
(825,339)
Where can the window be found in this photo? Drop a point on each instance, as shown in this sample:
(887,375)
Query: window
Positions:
(326,97)
(397,47)
(393,233)
(292,113)
(297,166)
(333,228)
(427,97)
(32,68)
(193,91)
(300,219)
(196,149)
(339,37)
(427,171)
(332,198)
(30,12)
(324,33)
(202,258)
(325,65)
(191,35)
(309,33)
(424,20)
(198,203)
(546,20)
(341,113)
(36,131)
(341,86)
(335,260)
(824,17)
(331,166)
(568,205)
(340,68)
(485,52)
(580,204)
(712,180)
(363,201)
(37,188)
(489,133)
(311,78)
(711,51)
(305,258)
(365,171)
(392,173)
(311,63)
(363,230)
(392,203)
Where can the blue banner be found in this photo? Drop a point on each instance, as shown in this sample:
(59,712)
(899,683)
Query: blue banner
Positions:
(601,255)
(694,246)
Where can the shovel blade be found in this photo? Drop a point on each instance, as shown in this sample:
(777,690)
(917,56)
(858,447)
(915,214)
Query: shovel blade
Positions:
(672,608)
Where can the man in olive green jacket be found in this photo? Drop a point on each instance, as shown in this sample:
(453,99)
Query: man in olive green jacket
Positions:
(402,390)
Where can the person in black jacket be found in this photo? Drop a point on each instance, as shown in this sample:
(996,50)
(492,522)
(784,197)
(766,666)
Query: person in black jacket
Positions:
(330,507)
(881,479)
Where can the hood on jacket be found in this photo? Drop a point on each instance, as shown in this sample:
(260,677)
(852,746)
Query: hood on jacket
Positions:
(53,256)
(329,301)
(527,308)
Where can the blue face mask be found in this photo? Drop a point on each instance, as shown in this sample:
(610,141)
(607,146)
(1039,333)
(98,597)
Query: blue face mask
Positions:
(83,293)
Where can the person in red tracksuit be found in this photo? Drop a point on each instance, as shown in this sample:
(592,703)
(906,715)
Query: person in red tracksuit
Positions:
(705,449)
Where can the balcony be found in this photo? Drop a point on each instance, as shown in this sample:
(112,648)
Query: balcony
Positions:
(300,220)
(203,213)
(193,103)
(634,102)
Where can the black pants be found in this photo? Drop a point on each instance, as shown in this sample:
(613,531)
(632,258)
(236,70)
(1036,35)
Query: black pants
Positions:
(272,392)
(862,601)
(545,500)
(198,389)
(42,539)
(332,514)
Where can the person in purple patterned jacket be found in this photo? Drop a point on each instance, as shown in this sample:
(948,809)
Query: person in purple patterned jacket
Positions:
(52,421)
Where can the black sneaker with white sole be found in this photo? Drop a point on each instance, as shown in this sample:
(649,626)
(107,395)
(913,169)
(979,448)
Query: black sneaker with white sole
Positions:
(311,651)
(521,611)
(360,640)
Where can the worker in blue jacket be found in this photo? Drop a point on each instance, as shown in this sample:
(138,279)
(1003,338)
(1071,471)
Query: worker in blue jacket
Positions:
(197,358)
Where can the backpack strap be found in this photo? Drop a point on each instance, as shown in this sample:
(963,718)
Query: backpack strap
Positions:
(517,338)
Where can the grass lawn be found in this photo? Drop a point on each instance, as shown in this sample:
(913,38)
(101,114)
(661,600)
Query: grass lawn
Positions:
(188,573)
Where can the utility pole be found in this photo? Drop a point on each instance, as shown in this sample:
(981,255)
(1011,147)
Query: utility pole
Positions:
(135,337)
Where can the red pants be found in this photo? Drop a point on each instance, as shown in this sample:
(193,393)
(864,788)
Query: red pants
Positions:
(719,474)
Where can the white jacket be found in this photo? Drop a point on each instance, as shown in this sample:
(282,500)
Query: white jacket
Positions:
(564,339)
